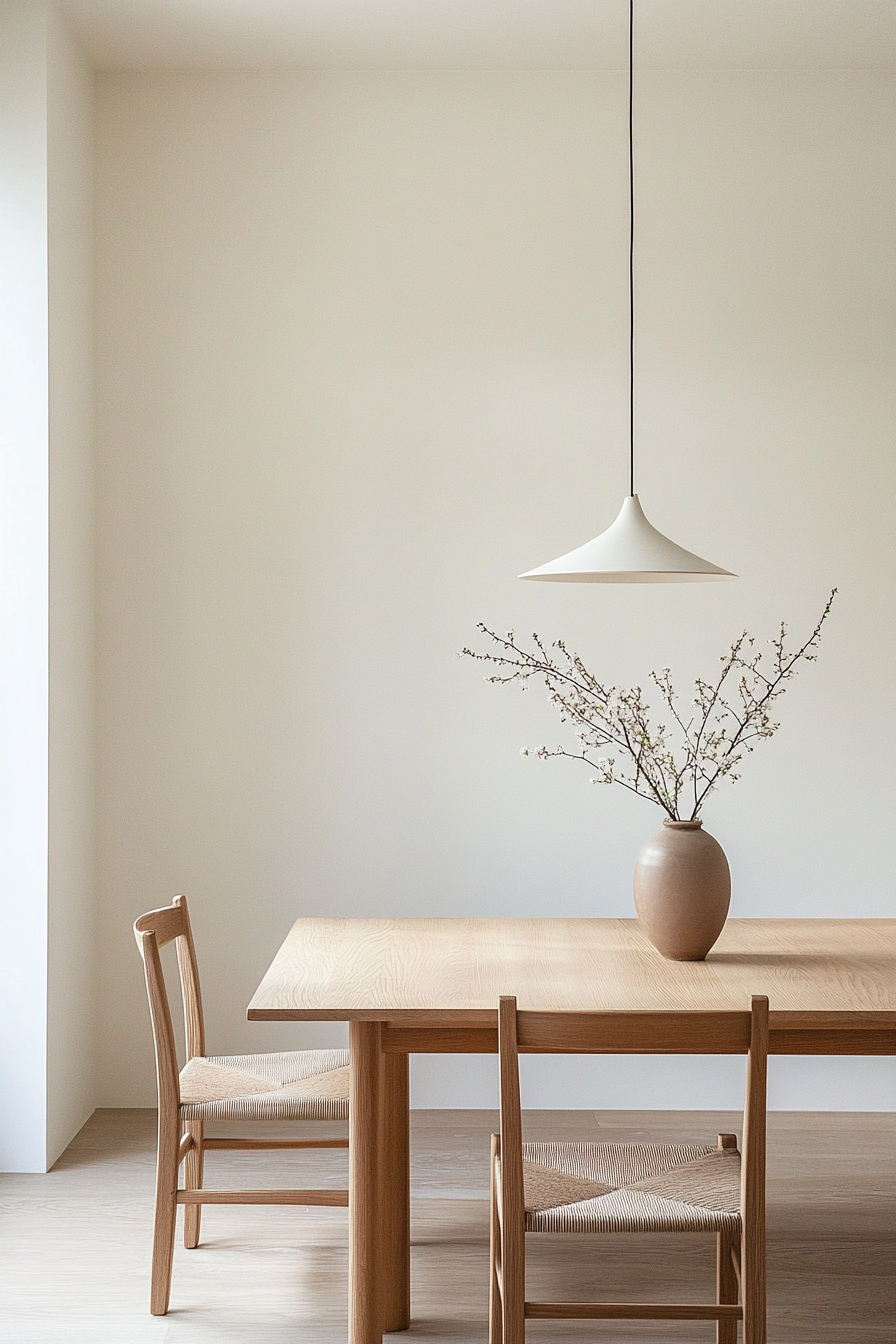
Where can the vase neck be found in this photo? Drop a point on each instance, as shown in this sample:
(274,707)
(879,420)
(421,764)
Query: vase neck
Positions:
(683,825)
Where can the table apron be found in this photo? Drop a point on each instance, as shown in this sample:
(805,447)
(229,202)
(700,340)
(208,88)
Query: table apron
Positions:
(867,1039)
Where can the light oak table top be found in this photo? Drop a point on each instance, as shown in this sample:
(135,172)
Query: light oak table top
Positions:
(449,973)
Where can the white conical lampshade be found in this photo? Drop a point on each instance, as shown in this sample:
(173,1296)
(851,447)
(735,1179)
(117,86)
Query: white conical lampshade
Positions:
(630,551)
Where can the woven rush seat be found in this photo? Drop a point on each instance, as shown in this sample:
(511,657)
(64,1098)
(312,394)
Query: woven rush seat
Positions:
(290,1085)
(615,1187)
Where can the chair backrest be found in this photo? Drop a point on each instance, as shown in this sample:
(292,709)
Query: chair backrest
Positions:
(679,1033)
(153,931)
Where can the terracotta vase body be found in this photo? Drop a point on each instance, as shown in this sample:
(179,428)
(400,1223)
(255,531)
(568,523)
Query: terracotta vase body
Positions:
(682,890)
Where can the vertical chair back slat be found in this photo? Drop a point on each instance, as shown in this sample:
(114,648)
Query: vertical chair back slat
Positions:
(167,1072)
(753,1176)
(512,1203)
(189,982)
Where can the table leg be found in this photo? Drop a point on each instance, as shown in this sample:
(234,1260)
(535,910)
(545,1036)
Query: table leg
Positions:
(395,1196)
(365,1112)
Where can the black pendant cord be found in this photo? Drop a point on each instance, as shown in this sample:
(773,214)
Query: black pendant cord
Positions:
(631,245)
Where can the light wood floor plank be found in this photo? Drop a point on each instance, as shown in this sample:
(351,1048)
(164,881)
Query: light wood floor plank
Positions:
(75,1244)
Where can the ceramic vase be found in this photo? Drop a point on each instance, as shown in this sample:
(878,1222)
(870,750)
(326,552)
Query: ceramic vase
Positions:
(682,890)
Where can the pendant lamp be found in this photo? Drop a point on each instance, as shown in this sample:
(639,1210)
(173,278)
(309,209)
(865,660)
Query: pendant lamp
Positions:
(631,550)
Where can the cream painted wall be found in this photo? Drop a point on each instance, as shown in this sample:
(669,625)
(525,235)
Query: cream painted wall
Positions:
(71,1007)
(361,359)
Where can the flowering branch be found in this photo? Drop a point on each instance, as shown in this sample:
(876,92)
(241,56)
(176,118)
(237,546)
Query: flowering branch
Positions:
(676,767)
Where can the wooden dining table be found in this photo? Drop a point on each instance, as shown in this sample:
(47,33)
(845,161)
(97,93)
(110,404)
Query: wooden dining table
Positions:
(431,986)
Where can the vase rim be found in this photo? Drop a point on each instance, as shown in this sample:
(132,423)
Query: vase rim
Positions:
(683,825)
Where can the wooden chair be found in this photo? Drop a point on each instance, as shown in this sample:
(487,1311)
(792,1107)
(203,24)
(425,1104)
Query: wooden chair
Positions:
(297,1085)
(593,1188)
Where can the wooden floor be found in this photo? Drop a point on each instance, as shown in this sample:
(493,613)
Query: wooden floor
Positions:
(74,1250)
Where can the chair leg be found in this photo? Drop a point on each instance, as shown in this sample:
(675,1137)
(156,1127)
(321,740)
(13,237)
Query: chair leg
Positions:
(495,1313)
(513,1321)
(165,1213)
(193,1168)
(513,1281)
(726,1286)
(753,1290)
